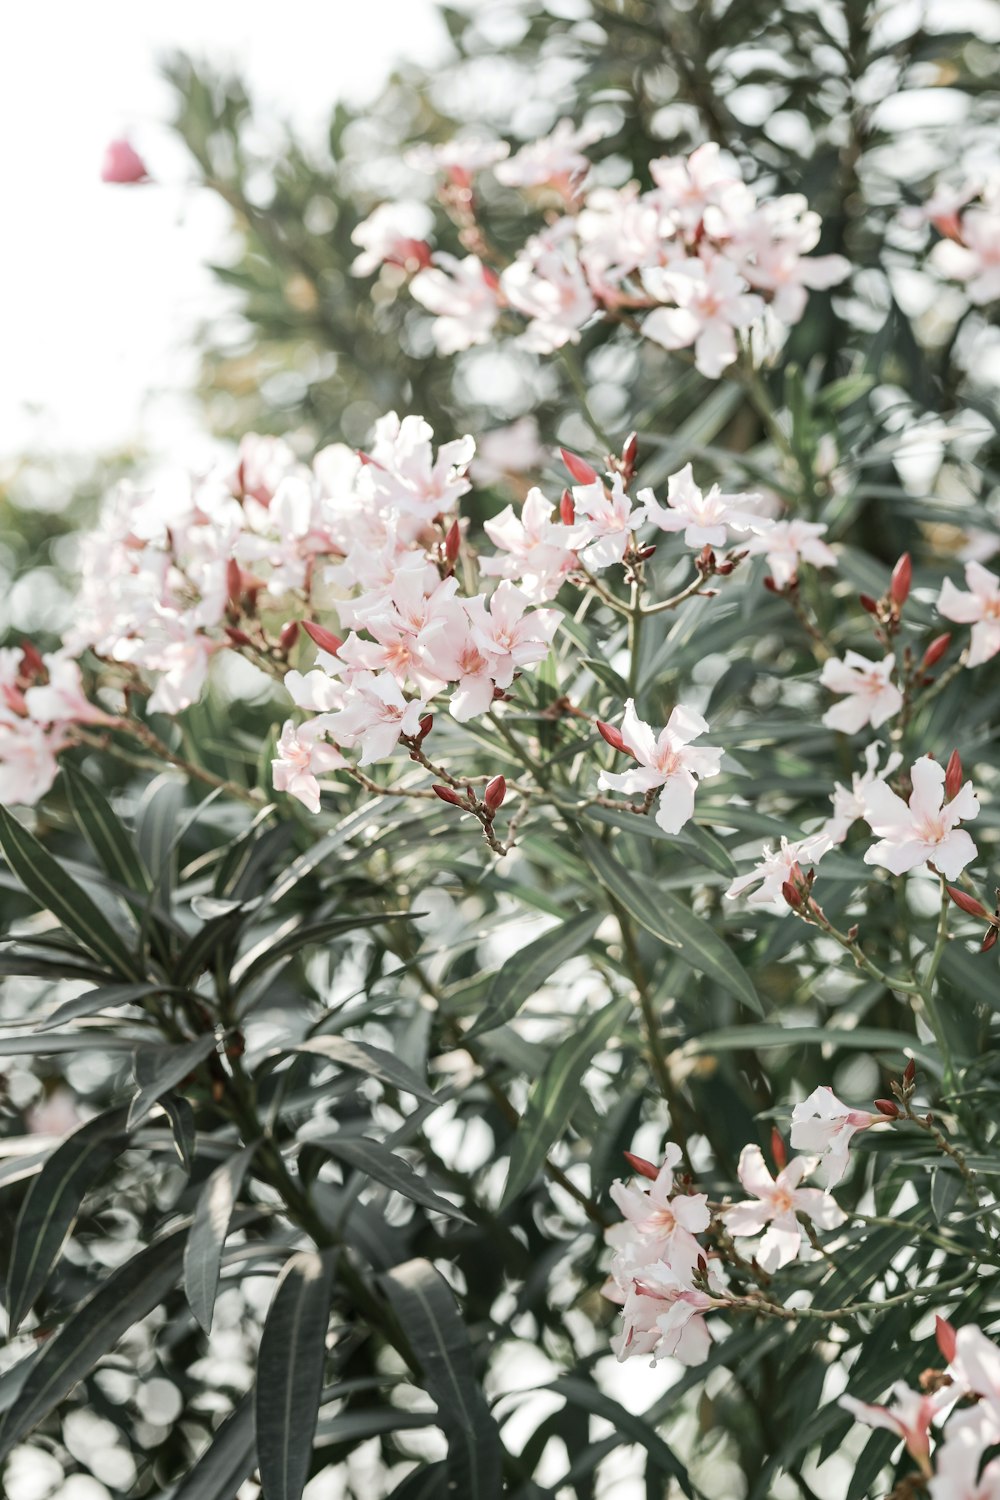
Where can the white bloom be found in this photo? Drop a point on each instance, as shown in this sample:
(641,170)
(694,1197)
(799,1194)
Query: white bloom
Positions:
(668,761)
(302,754)
(777,866)
(463,298)
(704,518)
(711,301)
(924,829)
(869,696)
(979,607)
(786,543)
(775,1203)
(824,1126)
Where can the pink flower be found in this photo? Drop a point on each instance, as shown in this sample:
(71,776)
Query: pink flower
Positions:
(546,283)
(823,1126)
(775,868)
(534,548)
(849,802)
(666,761)
(460,158)
(122,163)
(604,533)
(509,632)
(554,160)
(463,298)
(663,1315)
(659,1224)
(777,1201)
(979,607)
(62,699)
(911,834)
(959,1458)
(28,765)
(786,543)
(712,300)
(975,1368)
(302,754)
(910,1417)
(374,715)
(394,233)
(704,518)
(869,696)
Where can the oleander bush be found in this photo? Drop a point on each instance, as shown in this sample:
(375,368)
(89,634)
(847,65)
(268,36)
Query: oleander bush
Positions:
(498,882)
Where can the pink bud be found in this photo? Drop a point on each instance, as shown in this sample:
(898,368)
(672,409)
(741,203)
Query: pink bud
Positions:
(791,894)
(868,603)
(496,791)
(238,637)
(642,1166)
(910,1071)
(452,541)
(31,661)
(234,582)
(289,635)
(122,163)
(902,577)
(323,638)
(778,1149)
(989,940)
(966,902)
(578,467)
(630,452)
(953,775)
(944,1332)
(447,795)
(567,510)
(613,736)
(887,1108)
(935,651)
(426,725)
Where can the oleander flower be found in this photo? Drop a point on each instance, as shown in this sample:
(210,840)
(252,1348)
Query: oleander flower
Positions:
(667,760)
(924,829)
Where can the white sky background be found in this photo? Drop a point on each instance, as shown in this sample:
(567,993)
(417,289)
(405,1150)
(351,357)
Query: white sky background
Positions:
(101,285)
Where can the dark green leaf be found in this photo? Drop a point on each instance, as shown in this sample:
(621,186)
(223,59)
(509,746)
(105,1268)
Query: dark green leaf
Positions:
(228,1460)
(164,1069)
(376,1160)
(290,1374)
(529,968)
(362,1058)
(106,834)
(203,1251)
(631,1427)
(104,997)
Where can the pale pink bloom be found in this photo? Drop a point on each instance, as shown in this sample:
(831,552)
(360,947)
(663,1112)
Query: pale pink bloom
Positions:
(776,867)
(869,695)
(771,247)
(712,301)
(619,231)
(262,462)
(184,665)
(321,690)
(605,521)
(403,472)
(62,699)
(55,1114)
(979,607)
(924,829)
(975,260)
(459,656)
(705,518)
(546,283)
(555,160)
(28,765)
(374,715)
(460,158)
(975,1368)
(394,232)
(509,632)
(776,1202)
(462,297)
(957,1461)
(302,755)
(910,1417)
(825,1127)
(663,1315)
(849,802)
(668,761)
(122,163)
(686,186)
(533,548)
(659,1224)
(787,543)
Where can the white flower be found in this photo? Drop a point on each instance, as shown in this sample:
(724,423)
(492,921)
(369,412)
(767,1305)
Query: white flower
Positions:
(777,866)
(849,802)
(979,607)
(301,755)
(602,537)
(704,518)
(911,834)
(869,696)
(555,159)
(667,761)
(775,1203)
(712,300)
(786,543)
(463,298)
(958,1461)
(824,1126)
(393,232)
(374,715)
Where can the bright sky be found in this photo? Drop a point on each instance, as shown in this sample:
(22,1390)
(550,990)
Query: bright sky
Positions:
(100,284)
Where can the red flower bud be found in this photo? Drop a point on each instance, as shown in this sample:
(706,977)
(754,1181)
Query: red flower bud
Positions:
(989,940)
(910,1071)
(967,903)
(771,586)
(791,894)
(886,1107)
(234,582)
(567,510)
(289,635)
(630,452)
(447,795)
(496,791)
(902,577)
(426,725)
(778,1149)
(642,1166)
(935,651)
(123,164)
(238,637)
(645,552)
(944,1332)
(453,541)
(321,637)
(578,467)
(953,775)
(868,603)
(613,736)
(31,660)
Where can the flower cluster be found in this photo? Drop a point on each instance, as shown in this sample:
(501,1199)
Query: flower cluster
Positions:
(698,255)
(968,219)
(41,700)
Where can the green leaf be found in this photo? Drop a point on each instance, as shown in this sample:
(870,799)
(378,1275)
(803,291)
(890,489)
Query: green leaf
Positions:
(106,834)
(52,1203)
(182,1127)
(104,997)
(632,1427)
(280,946)
(376,1160)
(529,968)
(374,1061)
(43,878)
(203,1251)
(425,1307)
(693,940)
(163,1069)
(763,1038)
(290,1373)
(228,1460)
(554,1095)
(128,1294)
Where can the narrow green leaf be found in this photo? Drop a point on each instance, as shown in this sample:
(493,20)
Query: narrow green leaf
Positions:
(52,1203)
(632,1427)
(426,1309)
(762,1038)
(553,1096)
(98,1038)
(376,1160)
(277,947)
(104,997)
(43,878)
(182,1127)
(692,938)
(362,1058)
(529,968)
(290,1373)
(128,1294)
(228,1460)
(106,834)
(203,1251)
(162,1069)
